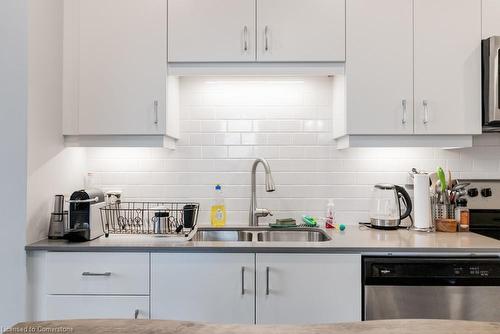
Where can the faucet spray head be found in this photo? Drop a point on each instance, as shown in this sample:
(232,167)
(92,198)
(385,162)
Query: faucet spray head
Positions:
(270,187)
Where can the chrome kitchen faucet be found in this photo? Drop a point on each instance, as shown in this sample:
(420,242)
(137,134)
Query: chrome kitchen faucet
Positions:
(256,213)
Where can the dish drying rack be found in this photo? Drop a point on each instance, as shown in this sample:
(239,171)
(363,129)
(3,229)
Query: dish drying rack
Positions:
(166,219)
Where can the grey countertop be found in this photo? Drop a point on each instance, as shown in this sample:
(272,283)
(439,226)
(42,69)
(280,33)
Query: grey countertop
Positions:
(353,240)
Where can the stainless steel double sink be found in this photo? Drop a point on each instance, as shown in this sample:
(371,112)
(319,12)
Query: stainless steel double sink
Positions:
(305,234)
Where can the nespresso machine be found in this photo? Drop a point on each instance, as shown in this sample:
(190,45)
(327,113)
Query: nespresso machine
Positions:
(84,215)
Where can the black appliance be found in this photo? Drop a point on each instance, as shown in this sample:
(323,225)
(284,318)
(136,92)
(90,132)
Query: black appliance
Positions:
(84,215)
(483,201)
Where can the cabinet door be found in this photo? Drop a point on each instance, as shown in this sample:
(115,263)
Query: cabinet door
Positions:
(301,30)
(308,288)
(211,30)
(97,307)
(379,67)
(115,66)
(447,66)
(491,18)
(217,288)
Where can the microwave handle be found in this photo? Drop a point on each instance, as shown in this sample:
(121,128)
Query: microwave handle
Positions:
(496,78)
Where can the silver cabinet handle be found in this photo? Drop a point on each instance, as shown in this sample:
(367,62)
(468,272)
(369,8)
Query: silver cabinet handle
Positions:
(156,112)
(242,281)
(136,314)
(426,111)
(245,38)
(403,120)
(88,273)
(267,281)
(266,38)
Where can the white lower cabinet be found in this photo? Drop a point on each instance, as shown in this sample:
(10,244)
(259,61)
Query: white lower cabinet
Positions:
(215,287)
(97,307)
(308,288)
(88,285)
(240,288)
(289,288)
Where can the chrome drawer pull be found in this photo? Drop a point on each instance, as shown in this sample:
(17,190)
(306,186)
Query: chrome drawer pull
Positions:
(266,38)
(267,281)
(245,36)
(425,104)
(88,273)
(403,120)
(156,112)
(242,281)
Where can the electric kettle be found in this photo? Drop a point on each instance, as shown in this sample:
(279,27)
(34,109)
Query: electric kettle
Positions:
(385,208)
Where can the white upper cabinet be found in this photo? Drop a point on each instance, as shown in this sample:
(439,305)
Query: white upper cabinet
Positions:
(115,60)
(491,18)
(211,30)
(413,67)
(447,66)
(256,30)
(379,67)
(300,30)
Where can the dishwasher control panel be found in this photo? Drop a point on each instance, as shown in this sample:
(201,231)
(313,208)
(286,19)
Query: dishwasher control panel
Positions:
(439,271)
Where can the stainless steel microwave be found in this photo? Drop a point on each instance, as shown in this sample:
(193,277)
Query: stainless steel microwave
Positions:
(490,84)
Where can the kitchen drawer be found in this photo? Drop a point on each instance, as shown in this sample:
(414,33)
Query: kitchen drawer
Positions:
(98,273)
(97,307)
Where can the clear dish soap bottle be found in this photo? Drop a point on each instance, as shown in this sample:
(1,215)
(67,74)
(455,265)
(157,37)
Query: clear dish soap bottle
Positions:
(218,210)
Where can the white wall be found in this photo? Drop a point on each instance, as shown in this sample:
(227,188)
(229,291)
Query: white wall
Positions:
(52,169)
(13,110)
(227,122)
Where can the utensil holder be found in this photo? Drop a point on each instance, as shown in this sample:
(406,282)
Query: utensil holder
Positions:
(442,211)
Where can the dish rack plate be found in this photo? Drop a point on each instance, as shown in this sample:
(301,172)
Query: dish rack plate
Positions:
(172,219)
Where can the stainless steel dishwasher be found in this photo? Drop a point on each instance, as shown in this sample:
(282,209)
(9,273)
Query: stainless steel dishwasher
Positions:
(431,288)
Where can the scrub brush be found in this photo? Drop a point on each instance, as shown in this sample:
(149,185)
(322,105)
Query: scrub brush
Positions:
(309,221)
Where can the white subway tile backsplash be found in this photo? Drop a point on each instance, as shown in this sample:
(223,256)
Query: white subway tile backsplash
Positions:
(266,126)
(213,126)
(239,126)
(214,152)
(201,113)
(254,139)
(304,139)
(226,122)
(279,138)
(290,126)
(201,139)
(316,125)
(290,152)
(489,166)
(317,152)
(267,152)
(458,165)
(189,126)
(241,152)
(228,138)
(187,152)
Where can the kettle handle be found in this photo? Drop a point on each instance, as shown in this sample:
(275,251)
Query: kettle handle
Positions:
(401,191)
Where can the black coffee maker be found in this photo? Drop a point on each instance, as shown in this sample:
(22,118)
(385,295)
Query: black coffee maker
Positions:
(84,223)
